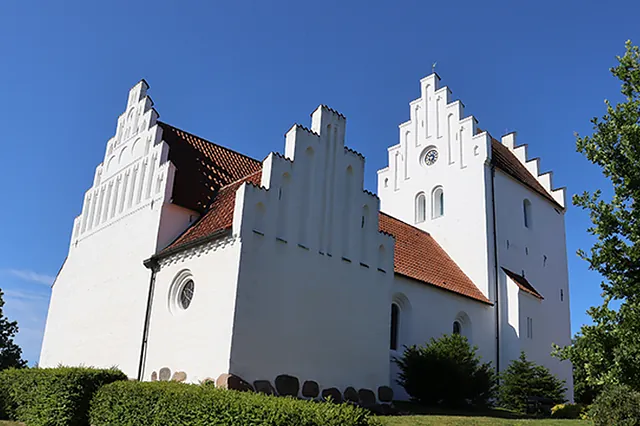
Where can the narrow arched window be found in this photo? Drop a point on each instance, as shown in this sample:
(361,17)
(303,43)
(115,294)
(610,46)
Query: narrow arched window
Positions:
(526,211)
(395,326)
(437,202)
(457,327)
(421,207)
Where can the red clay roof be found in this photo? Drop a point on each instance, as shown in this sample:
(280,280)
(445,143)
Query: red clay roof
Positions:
(506,161)
(523,283)
(218,218)
(202,167)
(419,256)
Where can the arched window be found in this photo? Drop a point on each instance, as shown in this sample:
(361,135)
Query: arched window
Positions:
(437,202)
(457,327)
(395,326)
(365,216)
(526,211)
(421,207)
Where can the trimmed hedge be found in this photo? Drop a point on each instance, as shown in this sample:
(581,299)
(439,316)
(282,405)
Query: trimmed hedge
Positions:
(567,411)
(52,396)
(178,404)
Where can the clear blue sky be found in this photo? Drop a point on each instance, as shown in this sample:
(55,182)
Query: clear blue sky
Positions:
(242,72)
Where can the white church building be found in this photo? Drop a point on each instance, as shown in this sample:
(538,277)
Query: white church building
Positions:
(193,258)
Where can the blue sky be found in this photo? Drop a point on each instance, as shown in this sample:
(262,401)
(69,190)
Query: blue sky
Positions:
(242,72)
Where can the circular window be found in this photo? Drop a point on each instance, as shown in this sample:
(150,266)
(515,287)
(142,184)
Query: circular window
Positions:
(186,294)
(181,292)
(431,157)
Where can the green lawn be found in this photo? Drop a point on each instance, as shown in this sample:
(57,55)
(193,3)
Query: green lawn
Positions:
(473,421)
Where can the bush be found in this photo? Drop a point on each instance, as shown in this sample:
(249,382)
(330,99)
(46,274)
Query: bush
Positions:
(567,411)
(524,380)
(616,406)
(446,372)
(52,396)
(178,404)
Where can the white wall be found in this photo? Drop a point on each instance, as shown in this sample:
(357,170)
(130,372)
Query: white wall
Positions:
(460,170)
(313,291)
(196,340)
(428,312)
(526,251)
(98,300)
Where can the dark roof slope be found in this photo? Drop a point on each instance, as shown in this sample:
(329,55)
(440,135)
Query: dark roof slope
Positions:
(419,256)
(218,218)
(202,167)
(506,161)
(523,283)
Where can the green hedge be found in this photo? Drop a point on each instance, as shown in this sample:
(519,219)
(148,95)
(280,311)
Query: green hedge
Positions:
(177,404)
(52,396)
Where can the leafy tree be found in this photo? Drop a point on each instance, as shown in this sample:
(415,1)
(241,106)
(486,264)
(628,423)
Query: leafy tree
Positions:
(448,372)
(524,379)
(608,351)
(10,353)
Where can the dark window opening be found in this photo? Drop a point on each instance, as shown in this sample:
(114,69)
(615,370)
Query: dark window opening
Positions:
(395,317)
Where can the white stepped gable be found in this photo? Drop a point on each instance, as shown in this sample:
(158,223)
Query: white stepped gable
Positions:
(132,171)
(533,166)
(435,122)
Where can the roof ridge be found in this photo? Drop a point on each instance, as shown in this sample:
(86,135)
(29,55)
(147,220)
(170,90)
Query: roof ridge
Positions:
(162,123)
(408,224)
(240,180)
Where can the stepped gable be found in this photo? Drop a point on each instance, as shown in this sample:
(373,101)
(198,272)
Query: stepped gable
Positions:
(418,256)
(218,218)
(503,157)
(202,167)
(523,283)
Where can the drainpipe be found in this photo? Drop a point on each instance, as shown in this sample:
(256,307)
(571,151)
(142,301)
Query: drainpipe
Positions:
(152,264)
(497,267)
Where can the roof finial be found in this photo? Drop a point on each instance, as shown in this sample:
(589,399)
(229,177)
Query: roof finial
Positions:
(433,67)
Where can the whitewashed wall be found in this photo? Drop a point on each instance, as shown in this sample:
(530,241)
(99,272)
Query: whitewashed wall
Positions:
(196,340)
(540,251)
(428,312)
(98,300)
(315,273)
(437,122)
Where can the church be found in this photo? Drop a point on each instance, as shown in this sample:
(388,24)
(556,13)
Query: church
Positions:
(190,257)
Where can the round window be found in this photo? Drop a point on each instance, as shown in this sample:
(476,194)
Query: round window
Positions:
(431,157)
(186,294)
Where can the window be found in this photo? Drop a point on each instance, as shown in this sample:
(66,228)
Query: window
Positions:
(181,292)
(457,327)
(186,294)
(529,328)
(395,326)
(561,295)
(437,202)
(526,211)
(421,207)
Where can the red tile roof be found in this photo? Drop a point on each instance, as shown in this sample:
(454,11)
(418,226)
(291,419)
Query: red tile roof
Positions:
(523,283)
(202,167)
(419,256)
(218,218)
(506,161)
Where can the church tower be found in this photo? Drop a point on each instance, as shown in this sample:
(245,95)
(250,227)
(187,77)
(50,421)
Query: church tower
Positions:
(437,179)
(495,214)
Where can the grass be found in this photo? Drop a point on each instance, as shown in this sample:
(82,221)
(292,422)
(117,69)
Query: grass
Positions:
(8,423)
(430,420)
(421,416)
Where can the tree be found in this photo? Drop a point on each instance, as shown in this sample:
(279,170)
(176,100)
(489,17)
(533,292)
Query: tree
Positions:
(10,353)
(448,372)
(524,379)
(609,349)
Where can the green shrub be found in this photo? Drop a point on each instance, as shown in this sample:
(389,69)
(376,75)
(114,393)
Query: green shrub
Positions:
(524,380)
(178,404)
(616,406)
(446,372)
(52,396)
(567,411)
